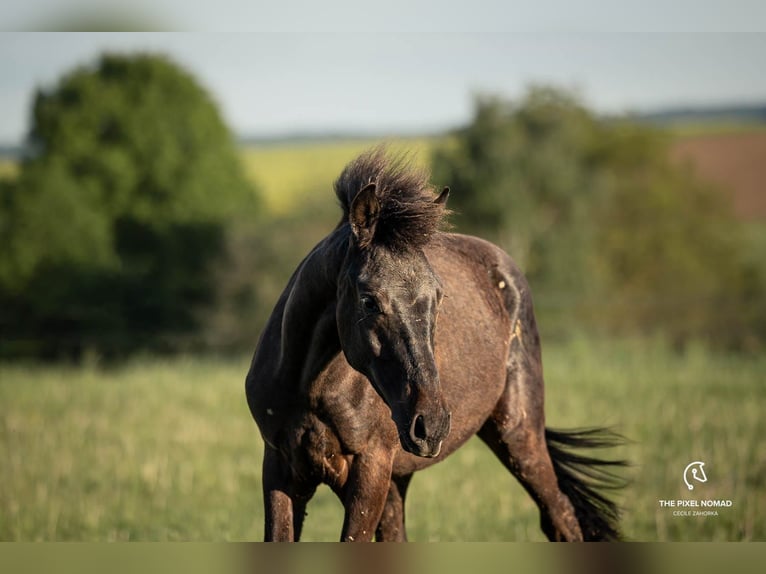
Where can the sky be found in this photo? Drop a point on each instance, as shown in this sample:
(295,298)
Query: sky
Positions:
(329,79)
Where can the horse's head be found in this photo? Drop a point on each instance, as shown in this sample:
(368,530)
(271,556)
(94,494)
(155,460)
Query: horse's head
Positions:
(388,300)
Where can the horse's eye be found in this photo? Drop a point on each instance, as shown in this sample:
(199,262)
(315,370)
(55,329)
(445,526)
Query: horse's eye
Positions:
(369,304)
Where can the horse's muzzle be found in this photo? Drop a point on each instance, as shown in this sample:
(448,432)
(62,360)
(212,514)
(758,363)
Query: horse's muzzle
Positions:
(426,434)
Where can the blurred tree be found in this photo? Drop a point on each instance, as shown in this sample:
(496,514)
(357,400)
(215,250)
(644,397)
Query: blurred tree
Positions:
(610,234)
(115,219)
(670,255)
(521,171)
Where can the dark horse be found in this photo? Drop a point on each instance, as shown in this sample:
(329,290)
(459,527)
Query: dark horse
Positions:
(394,343)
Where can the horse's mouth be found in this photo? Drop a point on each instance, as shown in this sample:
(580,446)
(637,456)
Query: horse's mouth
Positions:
(424,449)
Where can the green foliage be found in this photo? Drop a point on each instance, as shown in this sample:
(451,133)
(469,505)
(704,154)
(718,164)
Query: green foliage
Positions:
(261,261)
(114,222)
(146,135)
(609,232)
(519,173)
(50,219)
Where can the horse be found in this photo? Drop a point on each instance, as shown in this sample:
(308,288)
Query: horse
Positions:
(393,343)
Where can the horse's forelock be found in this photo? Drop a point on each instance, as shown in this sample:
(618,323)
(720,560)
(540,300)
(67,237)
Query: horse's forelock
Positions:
(409,214)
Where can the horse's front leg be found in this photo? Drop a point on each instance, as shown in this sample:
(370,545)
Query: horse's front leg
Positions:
(284,499)
(391,527)
(365,494)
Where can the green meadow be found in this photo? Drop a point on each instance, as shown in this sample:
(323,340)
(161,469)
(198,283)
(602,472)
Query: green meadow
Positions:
(166,450)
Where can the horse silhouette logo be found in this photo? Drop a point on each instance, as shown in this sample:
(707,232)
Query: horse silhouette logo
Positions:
(697,473)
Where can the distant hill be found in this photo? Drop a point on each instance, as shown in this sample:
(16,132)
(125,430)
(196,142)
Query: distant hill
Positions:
(671,116)
(753,113)
(331,137)
(701,116)
(11,152)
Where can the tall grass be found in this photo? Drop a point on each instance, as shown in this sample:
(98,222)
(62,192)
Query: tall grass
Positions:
(166,450)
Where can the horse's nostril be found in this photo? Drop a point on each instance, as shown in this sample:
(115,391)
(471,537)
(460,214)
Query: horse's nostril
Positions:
(419,428)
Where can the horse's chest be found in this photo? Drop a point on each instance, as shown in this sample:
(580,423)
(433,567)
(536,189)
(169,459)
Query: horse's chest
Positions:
(314,452)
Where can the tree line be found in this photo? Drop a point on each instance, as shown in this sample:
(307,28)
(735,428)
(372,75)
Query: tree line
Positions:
(131,226)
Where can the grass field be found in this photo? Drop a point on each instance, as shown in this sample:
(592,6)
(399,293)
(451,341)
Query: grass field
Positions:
(166,450)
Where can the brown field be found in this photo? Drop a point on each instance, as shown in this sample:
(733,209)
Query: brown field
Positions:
(734,161)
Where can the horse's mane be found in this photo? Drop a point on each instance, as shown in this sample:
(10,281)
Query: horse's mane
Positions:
(408,214)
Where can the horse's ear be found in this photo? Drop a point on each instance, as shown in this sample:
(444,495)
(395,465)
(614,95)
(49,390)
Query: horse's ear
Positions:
(363,215)
(442,199)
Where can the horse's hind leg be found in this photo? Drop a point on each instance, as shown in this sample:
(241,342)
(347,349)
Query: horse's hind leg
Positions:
(527,459)
(516,434)
(391,527)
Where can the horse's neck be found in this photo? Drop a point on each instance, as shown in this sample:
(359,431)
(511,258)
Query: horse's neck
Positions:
(309,335)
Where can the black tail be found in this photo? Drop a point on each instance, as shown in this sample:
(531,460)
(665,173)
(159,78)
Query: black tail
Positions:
(583,479)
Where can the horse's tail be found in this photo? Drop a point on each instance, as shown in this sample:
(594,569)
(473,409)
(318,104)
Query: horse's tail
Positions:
(583,478)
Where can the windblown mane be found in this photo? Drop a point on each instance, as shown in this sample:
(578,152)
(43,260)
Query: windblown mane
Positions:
(408,214)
